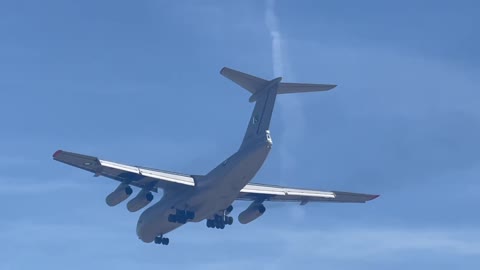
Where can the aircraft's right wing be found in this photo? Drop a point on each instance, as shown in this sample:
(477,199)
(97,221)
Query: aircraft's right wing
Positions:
(260,192)
(145,178)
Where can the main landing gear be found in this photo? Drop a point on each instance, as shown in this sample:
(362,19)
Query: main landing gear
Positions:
(181,216)
(219,221)
(162,240)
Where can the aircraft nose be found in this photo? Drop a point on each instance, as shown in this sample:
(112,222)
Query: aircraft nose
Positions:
(144,232)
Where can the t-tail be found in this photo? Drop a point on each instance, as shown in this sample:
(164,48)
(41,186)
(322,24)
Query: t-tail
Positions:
(264,93)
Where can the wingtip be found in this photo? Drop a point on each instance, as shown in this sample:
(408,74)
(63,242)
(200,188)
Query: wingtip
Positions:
(58,152)
(223,70)
(373,197)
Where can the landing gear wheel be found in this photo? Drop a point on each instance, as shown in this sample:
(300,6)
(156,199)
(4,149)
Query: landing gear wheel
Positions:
(190,215)
(165,241)
(210,223)
(229,220)
(172,218)
(182,219)
(160,240)
(181,216)
(219,222)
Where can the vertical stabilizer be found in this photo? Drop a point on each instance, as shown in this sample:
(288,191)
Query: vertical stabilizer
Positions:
(264,93)
(262,112)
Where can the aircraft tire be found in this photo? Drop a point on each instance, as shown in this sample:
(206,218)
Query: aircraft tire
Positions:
(165,241)
(182,219)
(190,215)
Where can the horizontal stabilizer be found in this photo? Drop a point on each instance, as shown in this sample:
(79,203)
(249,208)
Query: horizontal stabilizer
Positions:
(254,84)
(249,82)
(285,88)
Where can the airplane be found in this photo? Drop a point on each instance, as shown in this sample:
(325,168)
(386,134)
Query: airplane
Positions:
(194,198)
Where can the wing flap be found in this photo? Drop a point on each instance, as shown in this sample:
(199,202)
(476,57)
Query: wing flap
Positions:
(119,166)
(149,179)
(254,192)
(180,179)
(250,190)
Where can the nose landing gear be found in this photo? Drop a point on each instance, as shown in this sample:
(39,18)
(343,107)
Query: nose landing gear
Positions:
(162,240)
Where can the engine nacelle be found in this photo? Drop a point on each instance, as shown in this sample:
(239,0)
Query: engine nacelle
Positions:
(120,194)
(143,198)
(254,211)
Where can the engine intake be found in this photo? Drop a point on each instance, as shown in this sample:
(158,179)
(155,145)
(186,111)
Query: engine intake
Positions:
(143,198)
(254,211)
(121,193)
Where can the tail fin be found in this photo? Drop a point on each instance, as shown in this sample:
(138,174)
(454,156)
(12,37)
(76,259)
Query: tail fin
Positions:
(264,94)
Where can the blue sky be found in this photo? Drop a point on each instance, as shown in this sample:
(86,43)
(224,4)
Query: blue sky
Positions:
(137,82)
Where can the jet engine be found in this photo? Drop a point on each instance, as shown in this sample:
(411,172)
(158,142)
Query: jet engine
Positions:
(119,195)
(143,198)
(254,211)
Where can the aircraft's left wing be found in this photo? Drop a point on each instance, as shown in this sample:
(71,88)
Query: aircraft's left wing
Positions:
(149,179)
(260,192)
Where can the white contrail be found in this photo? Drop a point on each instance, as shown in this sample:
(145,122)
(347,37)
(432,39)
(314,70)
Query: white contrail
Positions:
(291,109)
(272,26)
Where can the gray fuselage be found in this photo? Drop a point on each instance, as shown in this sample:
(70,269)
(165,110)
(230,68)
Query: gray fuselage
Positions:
(212,193)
